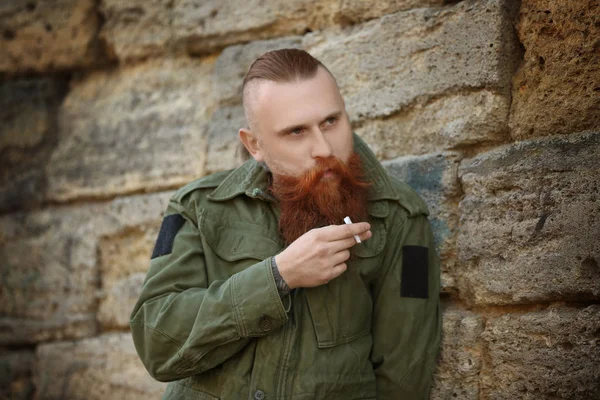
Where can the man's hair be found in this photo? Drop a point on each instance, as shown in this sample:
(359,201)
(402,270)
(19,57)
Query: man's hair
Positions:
(284,65)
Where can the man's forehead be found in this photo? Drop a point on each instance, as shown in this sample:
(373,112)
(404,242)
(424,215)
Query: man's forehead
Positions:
(292,101)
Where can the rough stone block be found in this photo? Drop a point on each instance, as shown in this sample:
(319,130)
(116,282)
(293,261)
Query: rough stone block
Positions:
(103,367)
(530,222)
(28,109)
(136,29)
(434,178)
(233,64)
(47,36)
(447,122)
(16,374)
(134,129)
(460,360)
(557,87)
(549,354)
(203,26)
(352,11)
(51,281)
(419,54)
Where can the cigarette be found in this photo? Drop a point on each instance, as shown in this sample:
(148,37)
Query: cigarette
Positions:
(348,221)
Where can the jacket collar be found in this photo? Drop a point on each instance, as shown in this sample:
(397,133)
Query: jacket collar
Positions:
(251,179)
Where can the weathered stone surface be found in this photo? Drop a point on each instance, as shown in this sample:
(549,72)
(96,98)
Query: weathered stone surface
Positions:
(202,26)
(136,28)
(550,354)
(530,222)
(28,109)
(557,87)
(103,367)
(224,146)
(134,129)
(15,374)
(352,11)
(233,64)
(446,122)
(457,374)
(419,53)
(434,178)
(46,36)
(50,276)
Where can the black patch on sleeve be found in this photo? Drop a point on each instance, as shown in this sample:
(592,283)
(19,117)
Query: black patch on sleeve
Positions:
(415,264)
(170,226)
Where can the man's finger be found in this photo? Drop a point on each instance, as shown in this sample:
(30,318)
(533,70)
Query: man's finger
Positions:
(346,243)
(337,232)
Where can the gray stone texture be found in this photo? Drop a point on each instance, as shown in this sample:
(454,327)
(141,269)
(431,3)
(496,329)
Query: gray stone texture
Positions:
(419,53)
(547,354)
(224,146)
(51,281)
(16,368)
(529,222)
(450,121)
(134,129)
(103,367)
(461,357)
(47,36)
(28,135)
(557,87)
(434,178)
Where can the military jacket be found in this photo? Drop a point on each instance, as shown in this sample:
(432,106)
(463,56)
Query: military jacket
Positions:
(210,320)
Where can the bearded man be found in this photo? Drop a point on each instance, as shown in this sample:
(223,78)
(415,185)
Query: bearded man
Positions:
(258,290)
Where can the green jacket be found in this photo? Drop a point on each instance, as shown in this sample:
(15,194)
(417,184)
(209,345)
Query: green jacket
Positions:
(210,319)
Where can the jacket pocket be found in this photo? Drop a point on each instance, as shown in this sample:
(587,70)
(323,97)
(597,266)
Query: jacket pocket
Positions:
(235,240)
(177,391)
(341,310)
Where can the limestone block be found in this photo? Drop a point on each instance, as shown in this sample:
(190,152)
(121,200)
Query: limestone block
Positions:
(446,122)
(434,178)
(202,26)
(103,367)
(557,87)
(47,36)
(224,146)
(133,129)
(389,63)
(460,360)
(530,222)
(233,64)
(547,354)
(352,11)
(15,374)
(28,134)
(136,29)
(51,280)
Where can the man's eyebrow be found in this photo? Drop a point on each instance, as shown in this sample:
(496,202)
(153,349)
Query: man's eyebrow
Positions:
(334,114)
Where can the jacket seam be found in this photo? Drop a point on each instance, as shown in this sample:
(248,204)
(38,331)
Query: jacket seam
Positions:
(236,311)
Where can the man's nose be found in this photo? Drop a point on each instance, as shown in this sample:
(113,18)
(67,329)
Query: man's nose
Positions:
(321,147)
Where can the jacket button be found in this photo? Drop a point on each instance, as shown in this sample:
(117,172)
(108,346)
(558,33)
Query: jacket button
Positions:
(259,395)
(265,324)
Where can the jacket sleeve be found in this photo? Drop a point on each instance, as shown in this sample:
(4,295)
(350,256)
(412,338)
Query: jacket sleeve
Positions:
(407,318)
(183,324)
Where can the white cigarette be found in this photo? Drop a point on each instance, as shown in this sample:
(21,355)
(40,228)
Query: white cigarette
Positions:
(348,221)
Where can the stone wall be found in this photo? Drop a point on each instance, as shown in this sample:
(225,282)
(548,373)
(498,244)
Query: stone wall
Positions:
(490,109)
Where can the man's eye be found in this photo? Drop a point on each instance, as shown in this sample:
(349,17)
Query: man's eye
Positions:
(331,121)
(296,131)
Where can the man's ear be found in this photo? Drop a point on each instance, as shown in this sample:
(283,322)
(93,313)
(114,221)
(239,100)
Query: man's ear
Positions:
(248,138)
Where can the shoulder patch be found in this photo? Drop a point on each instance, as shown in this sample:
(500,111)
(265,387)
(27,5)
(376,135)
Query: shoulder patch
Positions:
(415,265)
(171,224)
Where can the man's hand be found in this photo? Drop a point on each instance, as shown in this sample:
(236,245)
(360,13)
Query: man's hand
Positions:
(319,255)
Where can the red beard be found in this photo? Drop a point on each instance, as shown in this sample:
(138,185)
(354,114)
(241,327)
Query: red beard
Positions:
(314,200)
